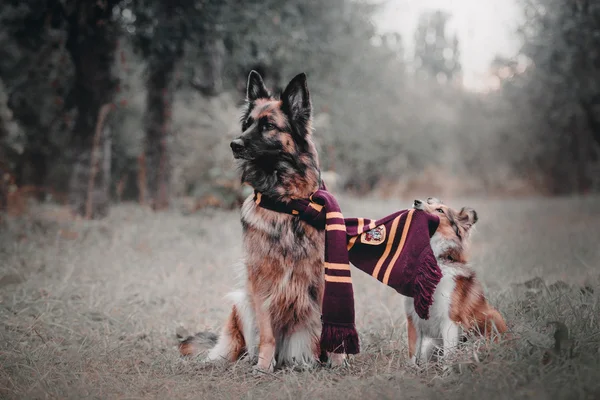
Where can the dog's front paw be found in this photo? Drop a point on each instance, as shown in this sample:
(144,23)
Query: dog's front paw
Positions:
(258,371)
(416,365)
(263,367)
(337,360)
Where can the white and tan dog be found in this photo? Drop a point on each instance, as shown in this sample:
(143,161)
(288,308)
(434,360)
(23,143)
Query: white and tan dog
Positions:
(458,301)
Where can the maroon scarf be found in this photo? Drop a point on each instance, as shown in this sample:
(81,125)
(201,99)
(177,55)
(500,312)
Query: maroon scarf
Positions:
(395,250)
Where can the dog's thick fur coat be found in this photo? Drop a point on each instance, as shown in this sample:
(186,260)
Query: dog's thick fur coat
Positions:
(276,316)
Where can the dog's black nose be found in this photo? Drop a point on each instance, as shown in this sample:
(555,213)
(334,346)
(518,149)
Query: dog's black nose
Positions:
(418,203)
(237,145)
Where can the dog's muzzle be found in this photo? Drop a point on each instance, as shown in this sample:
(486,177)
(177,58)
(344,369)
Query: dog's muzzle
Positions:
(238,147)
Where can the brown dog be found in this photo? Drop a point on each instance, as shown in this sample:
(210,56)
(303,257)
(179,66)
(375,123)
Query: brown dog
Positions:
(276,317)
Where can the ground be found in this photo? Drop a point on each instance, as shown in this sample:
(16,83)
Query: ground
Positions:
(90,309)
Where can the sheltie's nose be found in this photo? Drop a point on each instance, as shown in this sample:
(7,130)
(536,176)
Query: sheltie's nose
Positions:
(418,203)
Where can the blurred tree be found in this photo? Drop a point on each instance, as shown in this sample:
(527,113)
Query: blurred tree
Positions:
(3,122)
(56,59)
(436,53)
(562,89)
(92,34)
(4,169)
(222,41)
(59,62)
(160,31)
(35,68)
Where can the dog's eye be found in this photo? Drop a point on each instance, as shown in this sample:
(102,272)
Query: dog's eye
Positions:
(268,127)
(440,210)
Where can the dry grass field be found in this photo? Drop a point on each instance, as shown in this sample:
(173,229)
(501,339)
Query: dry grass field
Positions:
(89,309)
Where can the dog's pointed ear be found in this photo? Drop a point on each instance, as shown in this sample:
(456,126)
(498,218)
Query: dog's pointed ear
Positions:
(256,89)
(296,100)
(468,217)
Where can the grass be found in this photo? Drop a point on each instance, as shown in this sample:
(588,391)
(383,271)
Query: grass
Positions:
(89,309)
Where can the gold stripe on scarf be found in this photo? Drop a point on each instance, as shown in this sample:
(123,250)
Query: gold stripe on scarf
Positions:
(390,267)
(334,214)
(337,266)
(336,227)
(338,279)
(388,247)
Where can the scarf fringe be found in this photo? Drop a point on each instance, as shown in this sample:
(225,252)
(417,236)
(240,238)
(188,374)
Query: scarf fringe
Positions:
(339,338)
(426,280)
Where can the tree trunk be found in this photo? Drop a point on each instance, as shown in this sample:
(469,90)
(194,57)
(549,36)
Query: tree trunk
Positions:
(215,54)
(92,42)
(105,171)
(4,172)
(582,157)
(158,130)
(591,110)
(162,64)
(141,179)
(211,67)
(32,169)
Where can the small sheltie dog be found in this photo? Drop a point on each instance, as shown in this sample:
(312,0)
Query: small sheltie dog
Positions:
(276,316)
(459,305)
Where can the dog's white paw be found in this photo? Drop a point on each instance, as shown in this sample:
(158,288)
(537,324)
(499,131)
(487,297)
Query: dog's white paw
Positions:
(263,368)
(416,365)
(337,360)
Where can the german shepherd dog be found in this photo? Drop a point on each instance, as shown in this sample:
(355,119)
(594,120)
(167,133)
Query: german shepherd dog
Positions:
(276,317)
(458,301)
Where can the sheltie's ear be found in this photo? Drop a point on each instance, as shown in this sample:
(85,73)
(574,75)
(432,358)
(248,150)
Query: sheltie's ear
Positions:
(467,217)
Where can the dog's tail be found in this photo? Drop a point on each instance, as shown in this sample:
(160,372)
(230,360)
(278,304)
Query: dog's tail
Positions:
(192,345)
(495,324)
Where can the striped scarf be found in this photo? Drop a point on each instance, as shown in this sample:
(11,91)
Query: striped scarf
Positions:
(395,250)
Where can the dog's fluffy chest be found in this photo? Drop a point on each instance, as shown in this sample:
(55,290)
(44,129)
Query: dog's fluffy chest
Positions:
(279,247)
(439,312)
(284,261)
(280,236)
